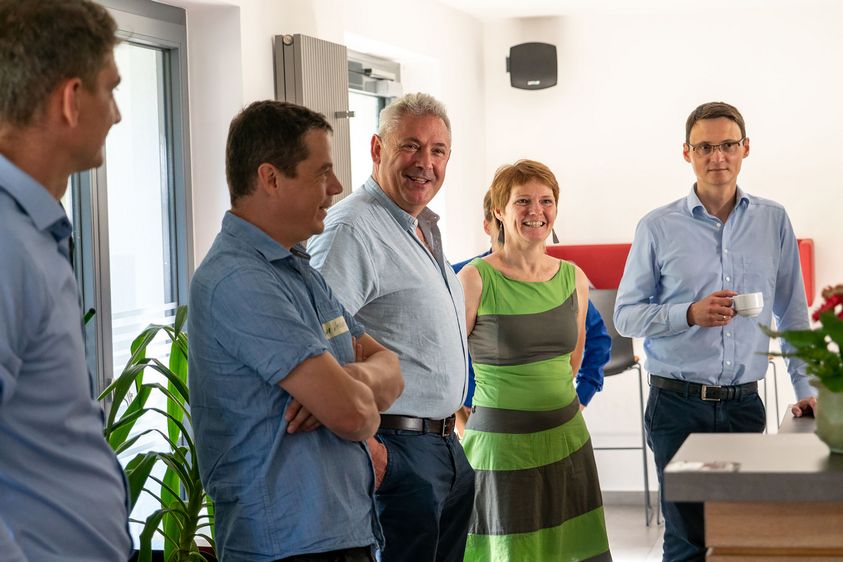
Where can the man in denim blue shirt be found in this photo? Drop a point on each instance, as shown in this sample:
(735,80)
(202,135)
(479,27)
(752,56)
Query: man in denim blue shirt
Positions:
(382,253)
(285,386)
(687,260)
(62,492)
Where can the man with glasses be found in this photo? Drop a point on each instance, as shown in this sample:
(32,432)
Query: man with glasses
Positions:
(687,260)
(62,491)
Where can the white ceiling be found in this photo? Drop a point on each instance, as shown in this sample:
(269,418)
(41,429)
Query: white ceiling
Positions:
(499,9)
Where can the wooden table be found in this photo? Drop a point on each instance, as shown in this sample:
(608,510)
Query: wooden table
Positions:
(775,498)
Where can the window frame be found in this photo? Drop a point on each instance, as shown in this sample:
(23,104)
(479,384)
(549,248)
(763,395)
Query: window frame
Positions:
(158,26)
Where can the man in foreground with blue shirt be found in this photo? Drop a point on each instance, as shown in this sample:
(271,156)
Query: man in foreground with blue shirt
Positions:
(62,492)
(598,343)
(687,260)
(285,386)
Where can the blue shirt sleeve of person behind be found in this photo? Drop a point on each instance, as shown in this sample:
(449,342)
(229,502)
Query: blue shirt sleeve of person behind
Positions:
(598,349)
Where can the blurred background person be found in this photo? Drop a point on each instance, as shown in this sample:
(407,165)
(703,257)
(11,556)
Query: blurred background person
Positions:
(62,491)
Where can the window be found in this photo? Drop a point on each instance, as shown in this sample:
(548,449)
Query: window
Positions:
(142,275)
(372,84)
(362,126)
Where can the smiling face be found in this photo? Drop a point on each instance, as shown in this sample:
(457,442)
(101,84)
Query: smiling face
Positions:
(303,201)
(410,162)
(718,170)
(529,214)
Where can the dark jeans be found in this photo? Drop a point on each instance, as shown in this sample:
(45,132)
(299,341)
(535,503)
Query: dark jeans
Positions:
(426,498)
(361,554)
(669,419)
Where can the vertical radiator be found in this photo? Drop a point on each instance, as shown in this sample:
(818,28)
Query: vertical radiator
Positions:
(314,73)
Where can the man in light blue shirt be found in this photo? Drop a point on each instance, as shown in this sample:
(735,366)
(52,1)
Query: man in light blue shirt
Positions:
(381,252)
(62,492)
(285,386)
(687,260)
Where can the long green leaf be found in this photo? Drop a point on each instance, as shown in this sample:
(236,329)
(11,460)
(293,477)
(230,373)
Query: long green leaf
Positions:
(172,491)
(137,471)
(119,388)
(178,366)
(187,438)
(180,470)
(209,507)
(170,525)
(117,437)
(145,539)
(181,318)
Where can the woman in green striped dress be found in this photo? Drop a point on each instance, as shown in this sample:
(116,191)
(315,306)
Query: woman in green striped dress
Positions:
(537,493)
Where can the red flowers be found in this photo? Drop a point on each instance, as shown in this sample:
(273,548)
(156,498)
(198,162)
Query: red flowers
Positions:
(832,302)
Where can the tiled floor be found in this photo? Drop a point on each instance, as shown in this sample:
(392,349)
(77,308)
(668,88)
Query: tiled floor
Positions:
(629,539)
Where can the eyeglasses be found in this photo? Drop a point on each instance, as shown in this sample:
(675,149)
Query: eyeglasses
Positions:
(728,147)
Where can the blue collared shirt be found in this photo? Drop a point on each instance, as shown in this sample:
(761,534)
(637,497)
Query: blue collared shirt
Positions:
(595,355)
(682,254)
(256,312)
(62,491)
(406,295)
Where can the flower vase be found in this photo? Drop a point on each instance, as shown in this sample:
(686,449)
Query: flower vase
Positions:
(829,417)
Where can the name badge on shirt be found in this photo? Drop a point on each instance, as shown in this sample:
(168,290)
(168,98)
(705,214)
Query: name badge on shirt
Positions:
(335,327)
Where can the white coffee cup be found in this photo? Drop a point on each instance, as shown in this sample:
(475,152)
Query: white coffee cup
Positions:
(748,304)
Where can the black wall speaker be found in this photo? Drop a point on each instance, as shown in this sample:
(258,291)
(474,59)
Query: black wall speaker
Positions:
(532,66)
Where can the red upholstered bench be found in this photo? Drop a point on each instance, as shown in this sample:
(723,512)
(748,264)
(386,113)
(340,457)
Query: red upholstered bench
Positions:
(604,263)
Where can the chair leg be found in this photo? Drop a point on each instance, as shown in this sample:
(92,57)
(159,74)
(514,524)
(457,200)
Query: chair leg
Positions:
(648,507)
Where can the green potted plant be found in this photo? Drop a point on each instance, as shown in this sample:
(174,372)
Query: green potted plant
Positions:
(185,511)
(820,348)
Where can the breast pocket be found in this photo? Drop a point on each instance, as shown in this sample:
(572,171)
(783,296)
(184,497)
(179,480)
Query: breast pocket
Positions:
(758,275)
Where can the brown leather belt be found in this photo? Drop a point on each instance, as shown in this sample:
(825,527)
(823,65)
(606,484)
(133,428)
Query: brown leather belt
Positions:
(704,391)
(443,427)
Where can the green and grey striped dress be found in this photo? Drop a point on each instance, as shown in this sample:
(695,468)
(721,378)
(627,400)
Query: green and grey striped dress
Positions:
(538,497)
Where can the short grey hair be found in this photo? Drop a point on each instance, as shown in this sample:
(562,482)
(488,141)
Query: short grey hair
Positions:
(417,105)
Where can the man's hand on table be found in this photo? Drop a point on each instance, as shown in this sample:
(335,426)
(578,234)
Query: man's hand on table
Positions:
(805,407)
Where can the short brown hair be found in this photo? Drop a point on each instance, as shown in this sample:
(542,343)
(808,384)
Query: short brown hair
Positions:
(44,42)
(520,173)
(270,132)
(714,110)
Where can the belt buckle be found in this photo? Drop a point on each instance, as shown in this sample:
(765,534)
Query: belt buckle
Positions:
(447,426)
(704,393)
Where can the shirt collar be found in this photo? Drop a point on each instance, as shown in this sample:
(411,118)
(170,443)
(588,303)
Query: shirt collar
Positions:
(34,199)
(696,207)
(253,236)
(405,219)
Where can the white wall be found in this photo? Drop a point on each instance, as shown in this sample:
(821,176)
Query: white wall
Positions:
(612,129)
